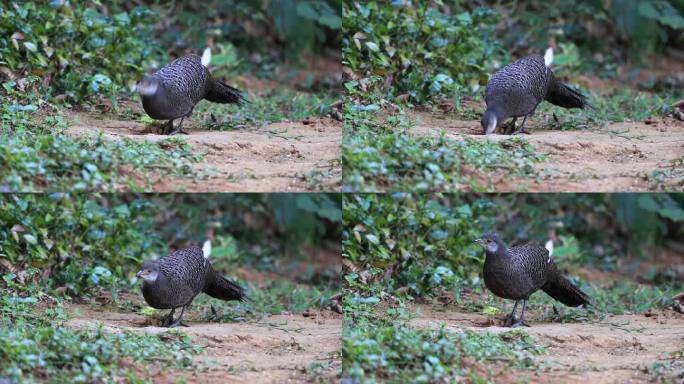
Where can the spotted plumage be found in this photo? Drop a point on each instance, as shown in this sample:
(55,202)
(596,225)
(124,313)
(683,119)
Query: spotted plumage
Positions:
(173,282)
(173,91)
(518,271)
(517,89)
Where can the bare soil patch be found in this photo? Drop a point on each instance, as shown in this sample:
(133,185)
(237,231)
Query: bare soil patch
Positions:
(618,157)
(617,349)
(277,349)
(277,157)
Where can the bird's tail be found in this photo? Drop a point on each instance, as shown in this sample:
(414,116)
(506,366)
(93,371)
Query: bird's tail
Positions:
(220,92)
(221,288)
(563,96)
(564,291)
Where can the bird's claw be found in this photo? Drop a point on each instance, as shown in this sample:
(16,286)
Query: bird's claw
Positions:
(521,130)
(519,324)
(508,320)
(177,324)
(179,131)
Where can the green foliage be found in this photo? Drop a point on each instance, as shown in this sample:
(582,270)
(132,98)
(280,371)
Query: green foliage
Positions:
(670,178)
(71,50)
(668,368)
(423,48)
(299,22)
(400,354)
(77,241)
(271,298)
(413,240)
(36,159)
(385,156)
(642,22)
(58,354)
(603,31)
(279,104)
(264,32)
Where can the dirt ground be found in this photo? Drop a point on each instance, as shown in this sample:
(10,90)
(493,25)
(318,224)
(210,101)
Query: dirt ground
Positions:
(616,158)
(617,349)
(277,349)
(274,158)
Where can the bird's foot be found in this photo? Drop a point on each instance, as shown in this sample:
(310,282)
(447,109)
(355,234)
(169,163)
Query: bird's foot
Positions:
(519,324)
(177,324)
(508,320)
(178,131)
(166,320)
(164,129)
(521,130)
(507,128)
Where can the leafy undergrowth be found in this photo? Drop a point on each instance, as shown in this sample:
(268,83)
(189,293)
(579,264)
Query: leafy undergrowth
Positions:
(608,298)
(613,106)
(279,104)
(670,177)
(383,155)
(39,156)
(36,347)
(378,346)
(60,39)
(669,369)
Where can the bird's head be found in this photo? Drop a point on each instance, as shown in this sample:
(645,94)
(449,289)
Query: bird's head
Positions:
(149,271)
(489,121)
(148,86)
(490,241)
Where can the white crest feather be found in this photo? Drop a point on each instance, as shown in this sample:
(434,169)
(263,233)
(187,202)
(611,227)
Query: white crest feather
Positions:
(548,56)
(549,247)
(206,249)
(206,57)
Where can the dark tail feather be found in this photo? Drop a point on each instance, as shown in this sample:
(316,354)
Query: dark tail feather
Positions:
(220,92)
(221,288)
(566,97)
(564,291)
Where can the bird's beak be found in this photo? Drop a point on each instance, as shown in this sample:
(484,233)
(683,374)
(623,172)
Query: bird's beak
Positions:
(139,274)
(478,241)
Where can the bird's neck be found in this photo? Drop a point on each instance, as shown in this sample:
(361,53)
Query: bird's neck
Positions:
(159,281)
(501,255)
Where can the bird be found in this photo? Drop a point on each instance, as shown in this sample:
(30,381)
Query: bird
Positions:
(518,271)
(173,91)
(174,280)
(517,89)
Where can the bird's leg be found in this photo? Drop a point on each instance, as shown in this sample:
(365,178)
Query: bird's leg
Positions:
(510,319)
(522,316)
(179,320)
(166,127)
(179,128)
(521,129)
(506,128)
(166,320)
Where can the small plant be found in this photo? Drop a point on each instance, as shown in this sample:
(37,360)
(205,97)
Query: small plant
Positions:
(85,52)
(385,156)
(418,49)
(404,354)
(29,353)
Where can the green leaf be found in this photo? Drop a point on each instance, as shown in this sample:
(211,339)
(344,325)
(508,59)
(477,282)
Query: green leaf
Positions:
(373,239)
(30,239)
(372,46)
(30,46)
